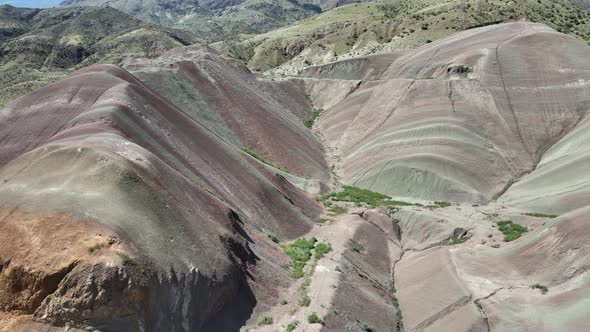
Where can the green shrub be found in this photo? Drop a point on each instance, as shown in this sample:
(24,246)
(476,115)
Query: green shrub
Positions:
(321,220)
(265,321)
(322,249)
(96,247)
(357,247)
(541,215)
(511,230)
(292,326)
(314,319)
(304,300)
(283,302)
(299,252)
(442,203)
(459,240)
(540,287)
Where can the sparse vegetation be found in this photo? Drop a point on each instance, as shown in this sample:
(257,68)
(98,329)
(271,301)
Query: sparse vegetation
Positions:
(265,320)
(284,302)
(262,160)
(321,220)
(292,326)
(511,230)
(541,215)
(339,269)
(357,247)
(460,240)
(337,209)
(96,247)
(540,287)
(314,115)
(389,10)
(314,319)
(329,36)
(442,203)
(304,300)
(273,237)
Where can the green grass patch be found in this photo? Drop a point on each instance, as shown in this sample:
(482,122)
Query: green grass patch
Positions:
(511,230)
(321,220)
(299,252)
(540,287)
(541,215)
(262,160)
(314,319)
(292,326)
(459,240)
(314,115)
(265,321)
(337,209)
(321,249)
(442,203)
(360,196)
(304,300)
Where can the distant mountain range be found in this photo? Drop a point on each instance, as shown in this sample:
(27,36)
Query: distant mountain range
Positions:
(214,20)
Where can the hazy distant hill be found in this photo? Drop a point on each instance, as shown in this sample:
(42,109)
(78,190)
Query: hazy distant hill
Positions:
(41,45)
(215,20)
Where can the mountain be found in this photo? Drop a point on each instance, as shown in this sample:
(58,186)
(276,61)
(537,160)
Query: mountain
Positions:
(438,188)
(41,45)
(362,29)
(218,20)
